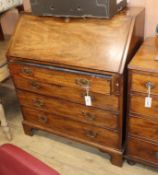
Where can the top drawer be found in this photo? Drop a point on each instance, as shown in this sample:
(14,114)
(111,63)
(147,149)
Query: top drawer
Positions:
(65,77)
(141,83)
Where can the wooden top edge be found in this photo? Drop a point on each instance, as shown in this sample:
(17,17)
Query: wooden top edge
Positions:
(146,59)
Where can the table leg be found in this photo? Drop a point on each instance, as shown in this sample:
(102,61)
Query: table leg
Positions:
(4,123)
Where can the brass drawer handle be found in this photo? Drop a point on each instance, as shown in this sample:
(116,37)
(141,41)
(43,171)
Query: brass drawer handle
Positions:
(82,82)
(34,84)
(43,119)
(89,116)
(91,134)
(38,103)
(27,71)
(149,84)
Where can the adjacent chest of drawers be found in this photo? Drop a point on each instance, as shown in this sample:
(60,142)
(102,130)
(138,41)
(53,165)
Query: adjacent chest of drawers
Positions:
(69,76)
(142,142)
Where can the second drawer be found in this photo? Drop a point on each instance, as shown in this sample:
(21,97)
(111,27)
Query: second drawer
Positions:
(67,93)
(137,106)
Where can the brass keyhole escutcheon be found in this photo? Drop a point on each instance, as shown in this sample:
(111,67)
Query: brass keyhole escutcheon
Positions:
(82,82)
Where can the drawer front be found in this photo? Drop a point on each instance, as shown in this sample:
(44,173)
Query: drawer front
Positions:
(143,128)
(137,105)
(65,77)
(142,150)
(67,93)
(140,83)
(71,110)
(71,128)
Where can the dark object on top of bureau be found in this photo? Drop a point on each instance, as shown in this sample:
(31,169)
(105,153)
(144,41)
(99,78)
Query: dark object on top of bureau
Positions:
(77,8)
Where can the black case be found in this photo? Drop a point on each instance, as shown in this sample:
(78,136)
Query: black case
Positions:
(77,8)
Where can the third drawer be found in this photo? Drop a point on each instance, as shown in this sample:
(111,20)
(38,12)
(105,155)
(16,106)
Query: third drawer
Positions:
(71,110)
(144,128)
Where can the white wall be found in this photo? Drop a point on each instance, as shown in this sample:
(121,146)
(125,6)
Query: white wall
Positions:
(151,7)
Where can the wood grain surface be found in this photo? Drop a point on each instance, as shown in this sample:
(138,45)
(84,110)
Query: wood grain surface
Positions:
(137,105)
(52,60)
(140,81)
(78,43)
(147,56)
(71,128)
(144,128)
(76,95)
(142,151)
(64,77)
(142,121)
(68,109)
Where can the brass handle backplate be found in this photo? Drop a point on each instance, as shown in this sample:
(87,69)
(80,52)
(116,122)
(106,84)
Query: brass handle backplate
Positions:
(82,82)
(34,84)
(38,103)
(91,134)
(27,71)
(42,119)
(89,116)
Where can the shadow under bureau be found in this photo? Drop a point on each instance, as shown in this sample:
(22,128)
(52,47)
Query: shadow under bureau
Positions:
(70,76)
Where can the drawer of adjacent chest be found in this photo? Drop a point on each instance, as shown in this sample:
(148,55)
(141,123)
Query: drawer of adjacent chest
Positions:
(71,110)
(67,93)
(70,128)
(141,150)
(137,106)
(144,128)
(142,82)
(104,84)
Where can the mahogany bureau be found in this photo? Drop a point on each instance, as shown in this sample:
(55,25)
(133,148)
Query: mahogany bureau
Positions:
(70,76)
(142,142)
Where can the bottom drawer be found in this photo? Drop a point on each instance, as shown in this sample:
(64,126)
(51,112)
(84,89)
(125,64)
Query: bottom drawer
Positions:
(143,151)
(70,128)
